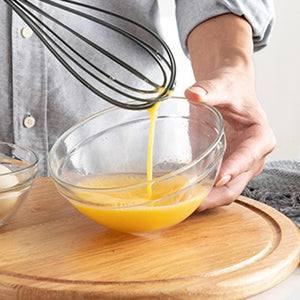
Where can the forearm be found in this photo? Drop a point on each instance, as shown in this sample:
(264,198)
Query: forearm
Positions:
(220,42)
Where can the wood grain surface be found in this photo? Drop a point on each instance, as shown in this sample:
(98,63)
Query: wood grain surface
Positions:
(48,250)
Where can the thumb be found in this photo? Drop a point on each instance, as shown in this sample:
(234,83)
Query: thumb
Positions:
(195,93)
(210,91)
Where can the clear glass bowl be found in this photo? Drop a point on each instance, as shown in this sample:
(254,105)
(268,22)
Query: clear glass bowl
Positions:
(18,172)
(100,165)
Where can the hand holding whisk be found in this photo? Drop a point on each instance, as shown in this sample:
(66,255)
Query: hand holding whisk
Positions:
(95,59)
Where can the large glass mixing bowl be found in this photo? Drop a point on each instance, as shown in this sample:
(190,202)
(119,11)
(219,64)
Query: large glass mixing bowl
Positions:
(100,165)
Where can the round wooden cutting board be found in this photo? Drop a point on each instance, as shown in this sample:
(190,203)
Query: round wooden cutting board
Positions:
(48,250)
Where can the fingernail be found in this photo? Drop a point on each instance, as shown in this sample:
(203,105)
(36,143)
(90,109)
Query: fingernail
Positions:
(224,180)
(198,90)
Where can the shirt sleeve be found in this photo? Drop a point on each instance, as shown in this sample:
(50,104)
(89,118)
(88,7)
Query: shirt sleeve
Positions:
(259,13)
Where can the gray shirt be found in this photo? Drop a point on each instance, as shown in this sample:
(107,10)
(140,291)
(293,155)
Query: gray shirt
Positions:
(39,99)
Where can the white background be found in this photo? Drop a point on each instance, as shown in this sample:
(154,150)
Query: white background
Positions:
(277,73)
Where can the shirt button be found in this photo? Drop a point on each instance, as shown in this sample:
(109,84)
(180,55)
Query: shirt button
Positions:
(29,121)
(26,32)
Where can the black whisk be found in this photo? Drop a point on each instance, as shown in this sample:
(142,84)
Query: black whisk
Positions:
(80,54)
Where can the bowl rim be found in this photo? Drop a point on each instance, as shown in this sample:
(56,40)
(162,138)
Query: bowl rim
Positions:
(158,179)
(27,167)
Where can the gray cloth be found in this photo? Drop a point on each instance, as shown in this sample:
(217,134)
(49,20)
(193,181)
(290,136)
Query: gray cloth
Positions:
(278,186)
(32,82)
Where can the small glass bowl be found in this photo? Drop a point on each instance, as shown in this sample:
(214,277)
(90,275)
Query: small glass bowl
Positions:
(18,172)
(100,165)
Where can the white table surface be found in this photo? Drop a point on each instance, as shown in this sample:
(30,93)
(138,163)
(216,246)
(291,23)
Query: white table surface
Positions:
(289,289)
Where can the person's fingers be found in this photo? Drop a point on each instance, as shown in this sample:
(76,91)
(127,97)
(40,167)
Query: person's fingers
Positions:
(226,194)
(228,189)
(195,94)
(249,155)
(213,92)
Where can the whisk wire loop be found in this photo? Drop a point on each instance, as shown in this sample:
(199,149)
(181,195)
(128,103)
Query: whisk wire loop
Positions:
(167,65)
